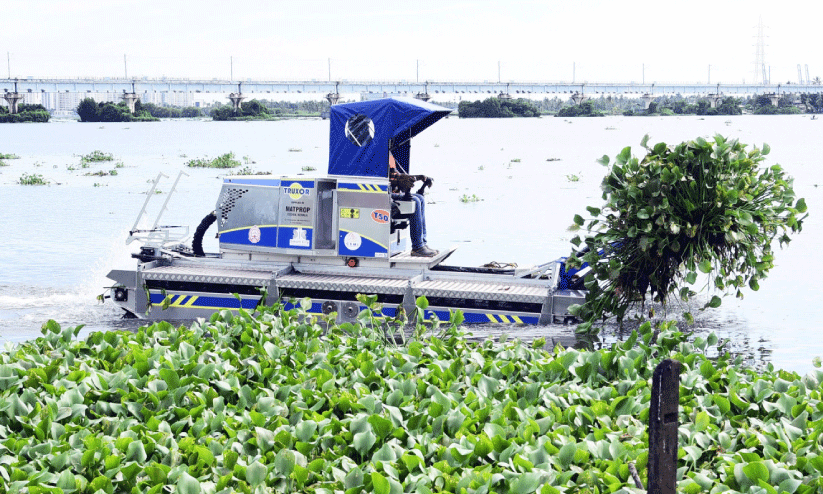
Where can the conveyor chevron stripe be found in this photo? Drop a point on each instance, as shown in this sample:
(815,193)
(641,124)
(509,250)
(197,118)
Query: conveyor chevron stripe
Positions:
(358,284)
(212,275)
(507,292)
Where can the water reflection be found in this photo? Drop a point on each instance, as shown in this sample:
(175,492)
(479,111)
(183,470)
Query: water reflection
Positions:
(733,335)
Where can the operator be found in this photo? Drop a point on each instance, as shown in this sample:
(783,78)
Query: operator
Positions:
(401,185)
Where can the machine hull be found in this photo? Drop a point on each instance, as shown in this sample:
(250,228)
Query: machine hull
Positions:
(187,288)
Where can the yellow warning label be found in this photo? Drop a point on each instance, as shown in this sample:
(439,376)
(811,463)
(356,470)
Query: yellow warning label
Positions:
(350,213)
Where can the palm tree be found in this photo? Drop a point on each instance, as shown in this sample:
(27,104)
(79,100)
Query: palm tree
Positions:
(816,81)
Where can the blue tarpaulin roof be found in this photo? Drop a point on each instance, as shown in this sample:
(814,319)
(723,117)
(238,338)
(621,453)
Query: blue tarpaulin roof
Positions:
(361,133)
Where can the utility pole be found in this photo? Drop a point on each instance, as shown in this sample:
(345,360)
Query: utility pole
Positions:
(8,59)
(126,66)
(498,71)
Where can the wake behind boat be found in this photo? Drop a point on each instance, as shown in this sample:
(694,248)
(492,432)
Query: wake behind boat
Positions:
(329,239)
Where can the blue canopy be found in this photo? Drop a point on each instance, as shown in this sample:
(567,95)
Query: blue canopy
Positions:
(361,134)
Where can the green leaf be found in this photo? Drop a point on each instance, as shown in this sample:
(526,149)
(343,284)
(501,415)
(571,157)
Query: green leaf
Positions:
(578,220)
(705,266)
(363,441)
(604,160)
(136,452)
(526,483)
(756,471)
(722,403)
(66,481)
(256,473)
(380,483)
(566,455)
(800,205)
(702,420)
(186,484)
(353,479)
(300,475)
(714,302)
(284,462)
(171,378)
(381,426)
(305,430)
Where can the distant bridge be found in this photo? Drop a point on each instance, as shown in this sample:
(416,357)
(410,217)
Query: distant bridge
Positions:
(323,88)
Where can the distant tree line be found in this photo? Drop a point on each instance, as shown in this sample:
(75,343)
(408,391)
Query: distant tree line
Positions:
(680,105)
(25,113)
(584,109)
(497,108)
(269,110)
(249,110)
(171,111)
(90,111)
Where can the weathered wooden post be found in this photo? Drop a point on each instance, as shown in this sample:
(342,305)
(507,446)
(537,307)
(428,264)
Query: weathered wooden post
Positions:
(663,423)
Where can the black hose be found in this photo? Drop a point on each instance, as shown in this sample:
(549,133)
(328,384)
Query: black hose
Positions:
(197,240)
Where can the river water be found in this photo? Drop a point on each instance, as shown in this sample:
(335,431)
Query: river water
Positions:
(531,175)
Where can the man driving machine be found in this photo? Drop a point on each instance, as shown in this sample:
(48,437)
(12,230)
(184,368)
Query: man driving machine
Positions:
(401,185)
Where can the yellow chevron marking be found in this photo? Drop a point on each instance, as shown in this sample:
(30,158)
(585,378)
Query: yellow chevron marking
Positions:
(369,188)
(190,303)
(504,319)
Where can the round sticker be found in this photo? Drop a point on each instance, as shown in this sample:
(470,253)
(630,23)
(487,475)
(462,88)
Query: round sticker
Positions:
(352,241)
(254,234)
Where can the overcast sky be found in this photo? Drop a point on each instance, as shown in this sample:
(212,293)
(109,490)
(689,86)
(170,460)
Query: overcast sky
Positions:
(666,41)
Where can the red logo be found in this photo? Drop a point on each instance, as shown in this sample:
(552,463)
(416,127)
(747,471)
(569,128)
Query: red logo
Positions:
(380,216)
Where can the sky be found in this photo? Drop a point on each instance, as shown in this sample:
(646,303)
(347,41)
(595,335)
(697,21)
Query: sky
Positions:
(413,40)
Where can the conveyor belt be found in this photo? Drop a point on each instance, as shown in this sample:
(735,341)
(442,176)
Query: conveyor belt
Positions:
(498,290)
(227,276)
(359,284)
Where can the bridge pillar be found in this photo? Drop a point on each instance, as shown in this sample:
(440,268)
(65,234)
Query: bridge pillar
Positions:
(774,98)
(579,98)
(423,96)
(333,98)
(236,99)
(647,100)
(130,99)
(714,99)
(504,96)
(13,99)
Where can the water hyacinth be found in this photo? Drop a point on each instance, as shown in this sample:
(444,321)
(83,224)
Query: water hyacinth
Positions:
(697,207)
(275,402)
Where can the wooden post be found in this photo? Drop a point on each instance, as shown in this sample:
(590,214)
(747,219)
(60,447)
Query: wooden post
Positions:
(663,411)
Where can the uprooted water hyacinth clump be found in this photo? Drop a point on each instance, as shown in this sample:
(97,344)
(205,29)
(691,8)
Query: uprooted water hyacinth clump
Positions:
(701,206)
(274,401)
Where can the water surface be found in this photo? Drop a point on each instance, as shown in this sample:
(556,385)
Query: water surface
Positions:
(532,176)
